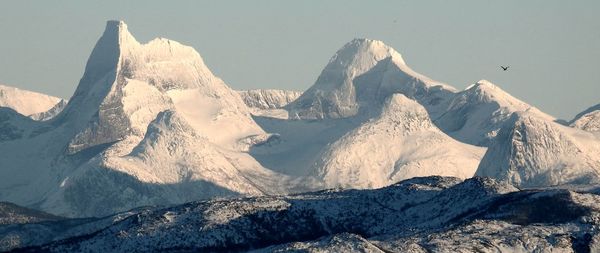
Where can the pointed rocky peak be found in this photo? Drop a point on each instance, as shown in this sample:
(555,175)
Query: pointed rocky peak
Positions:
(106,52)
(126,84)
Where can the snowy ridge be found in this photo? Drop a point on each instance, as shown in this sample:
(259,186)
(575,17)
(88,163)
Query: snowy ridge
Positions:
(433,214)
(27,102)
(50,113)
(532,152)
(268,98)
(476,114)
(339,88)
(588,120)
(400,143)
(268,103)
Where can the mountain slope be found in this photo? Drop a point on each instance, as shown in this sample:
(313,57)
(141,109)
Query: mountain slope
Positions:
(26,102)
(268,99)
(268,103)
(476,114)
(360,73)
(96,157)
(50,113)
(344,132)
(14,214)
(588,120)
(532,152)
(432,214)
(400,143)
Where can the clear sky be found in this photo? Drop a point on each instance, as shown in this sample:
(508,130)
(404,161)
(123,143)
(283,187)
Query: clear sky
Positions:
(553,47)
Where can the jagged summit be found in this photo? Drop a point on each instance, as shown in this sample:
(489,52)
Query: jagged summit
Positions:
(363,72)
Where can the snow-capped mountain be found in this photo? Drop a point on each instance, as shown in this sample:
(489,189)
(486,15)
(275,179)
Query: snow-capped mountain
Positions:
(120,138)
(149,124)
(400,143)
(588,120)
(433,214)
(29,103)
(476,114)
(533,152)
(366,122)
(362,74)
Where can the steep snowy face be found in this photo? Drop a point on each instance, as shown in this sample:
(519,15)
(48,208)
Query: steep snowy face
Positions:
(172,164)
(26,102)
(400,143)
(476,114)
(362,72)
(268,99)
(126,84)
(532,152)
(588,120)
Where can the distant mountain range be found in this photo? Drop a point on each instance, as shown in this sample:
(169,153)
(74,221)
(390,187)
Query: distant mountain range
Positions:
(149,124)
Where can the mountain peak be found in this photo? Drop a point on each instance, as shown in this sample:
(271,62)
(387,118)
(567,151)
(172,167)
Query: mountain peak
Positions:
(366,70)
(117,29)
(361,54)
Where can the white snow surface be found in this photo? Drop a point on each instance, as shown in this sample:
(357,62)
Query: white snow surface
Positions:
(268,98)
(27,102)
(400,143)
(533,152)
(588,120)
(476,114)
(360,73)
(269,102)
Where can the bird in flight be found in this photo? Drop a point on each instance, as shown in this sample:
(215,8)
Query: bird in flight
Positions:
(505,68)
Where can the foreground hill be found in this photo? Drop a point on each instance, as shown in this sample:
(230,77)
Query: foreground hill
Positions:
(433,214)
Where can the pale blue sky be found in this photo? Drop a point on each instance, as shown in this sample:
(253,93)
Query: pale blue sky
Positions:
(553,47)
